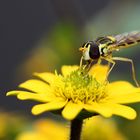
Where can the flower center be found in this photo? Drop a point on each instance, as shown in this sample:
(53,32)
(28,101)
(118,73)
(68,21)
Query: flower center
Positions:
(79,85)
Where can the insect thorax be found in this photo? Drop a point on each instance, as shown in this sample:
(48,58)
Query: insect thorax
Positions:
(103,49)
(104,43)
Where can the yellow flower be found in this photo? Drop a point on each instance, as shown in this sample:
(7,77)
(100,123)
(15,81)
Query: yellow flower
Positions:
(76,93)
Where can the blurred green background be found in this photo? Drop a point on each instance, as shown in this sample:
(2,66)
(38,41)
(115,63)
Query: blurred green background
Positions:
(38,36)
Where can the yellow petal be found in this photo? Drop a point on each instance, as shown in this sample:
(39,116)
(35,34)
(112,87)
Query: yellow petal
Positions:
(71,110)
(122,88)
(37,97)
(25,95)
(54,105)
(122,110)
(125,99)
(66,70)
(46,76)
(12,93)
(35,86)
(99,72)
(98,108)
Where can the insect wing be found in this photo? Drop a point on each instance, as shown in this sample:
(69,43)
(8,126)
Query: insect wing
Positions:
(127,39)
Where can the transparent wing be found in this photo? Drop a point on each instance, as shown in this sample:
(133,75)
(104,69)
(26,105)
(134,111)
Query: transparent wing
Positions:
(128,38)
(125,40)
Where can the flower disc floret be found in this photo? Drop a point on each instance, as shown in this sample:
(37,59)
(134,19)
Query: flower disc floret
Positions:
(80,86)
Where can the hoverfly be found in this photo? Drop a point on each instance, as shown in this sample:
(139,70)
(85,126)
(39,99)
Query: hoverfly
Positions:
(103,47)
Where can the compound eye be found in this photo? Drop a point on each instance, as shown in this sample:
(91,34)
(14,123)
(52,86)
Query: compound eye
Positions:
(90,44)
(94,51)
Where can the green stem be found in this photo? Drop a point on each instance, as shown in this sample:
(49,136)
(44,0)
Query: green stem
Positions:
(76,128)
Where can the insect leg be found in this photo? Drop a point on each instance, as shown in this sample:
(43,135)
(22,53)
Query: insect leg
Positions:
(132,66)
(113,64)
(81,61)
(99,61)
(87,65)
